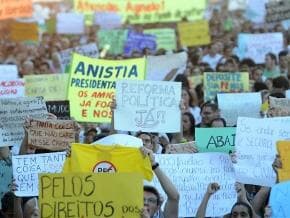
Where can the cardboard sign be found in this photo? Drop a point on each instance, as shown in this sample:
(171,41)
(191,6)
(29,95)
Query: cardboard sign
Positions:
(24,31)
(8,72)
(256,148)
(145,12)
(92,85)
(279,200)
(27,167)
(277,11)
(159,66)
(50,86)
(114,38)
(55,135)
(148,106)
(5,176)
(193,34)
(139,41)
(13,112)
(12,88)
(234,105)
(256,11)
(182,148)
(215,139)
(91,195)
(224,83)
(15,8)
(108,20)
(165,38)
(256,46)
(283,148)
(191,174)
(59,108)
(70,23)
(280,106)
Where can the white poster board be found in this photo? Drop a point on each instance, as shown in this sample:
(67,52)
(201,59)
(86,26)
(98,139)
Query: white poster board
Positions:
(70,23)
(234,105)
(8,72)
(149,106)
(108,20)
(27,167)
(12,88)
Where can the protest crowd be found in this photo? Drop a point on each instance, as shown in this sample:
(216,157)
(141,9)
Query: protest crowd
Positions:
(144,109)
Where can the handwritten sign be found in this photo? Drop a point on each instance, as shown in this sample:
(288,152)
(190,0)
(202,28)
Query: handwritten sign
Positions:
(165,38)
(144,11)
(8,72)
(256,148)
(148,106)
(193,34)
(280,106)
(256,46)
(139,41)
(215,139)
(12,88)
(59,108)
(256,11)
(181,148)
(50,86)
(279,200)
(234,105)
(277,11)
(5,176)
(53,135)
(159,66)
(13,112)
(70,23)
(224,82)
(92,85)
(191,175)
(24,31)
(108,20)
(283,148)
(91,195)
(114,38)
(27,167)
(15,8)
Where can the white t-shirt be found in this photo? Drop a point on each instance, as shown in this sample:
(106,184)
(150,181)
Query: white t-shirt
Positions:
(212,61)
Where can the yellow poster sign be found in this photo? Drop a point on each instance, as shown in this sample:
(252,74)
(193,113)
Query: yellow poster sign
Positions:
(22,31)
(92,85)
(283,148)
(194,33)
(15,8)
(90,195)
(52,87)
(144,11)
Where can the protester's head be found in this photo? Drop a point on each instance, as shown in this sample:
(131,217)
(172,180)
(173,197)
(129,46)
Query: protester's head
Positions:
(259,86)
(283,60)
(280,83)
(241,210)
(270,60)
(30,209)
(146,139)
(213,49)
(183,79)
(209,111)
(246,65)
(187,98)
(230,65)
(27,67)
(90,135)
(152,200)
(218,122)
(257,74)
(188,123)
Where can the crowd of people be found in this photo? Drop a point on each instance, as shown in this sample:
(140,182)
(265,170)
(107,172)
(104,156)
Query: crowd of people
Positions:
(270,78)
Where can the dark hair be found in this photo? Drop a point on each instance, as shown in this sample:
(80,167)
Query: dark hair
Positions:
(210,104)
(192,121)
(272,56)
(245,205)
(277,95)
(183,79)
(190,97)
(282,53)
(219,119)
(281,82)
(153,190)
(259,86)
(247,61)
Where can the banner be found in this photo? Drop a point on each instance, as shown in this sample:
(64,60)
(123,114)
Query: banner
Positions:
(283,148)
(256,46)
(89,50)
(92,85)
(108,20)
(13,112)
(256,148)
(70,23)
(277,11)
(15,8)
(279,200)
(91,195)
(181,148)
(234,105)
(148,106)
(27,167)
(12,88)
(215,139)
(159,66)
(191,175)
(154,11)
(114,38)
(193,34)
(50,86)
(59,108)
(165,38)
(138,42)
(224,83)
(24,31)
(55,135)
(8,72)
(280,106)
